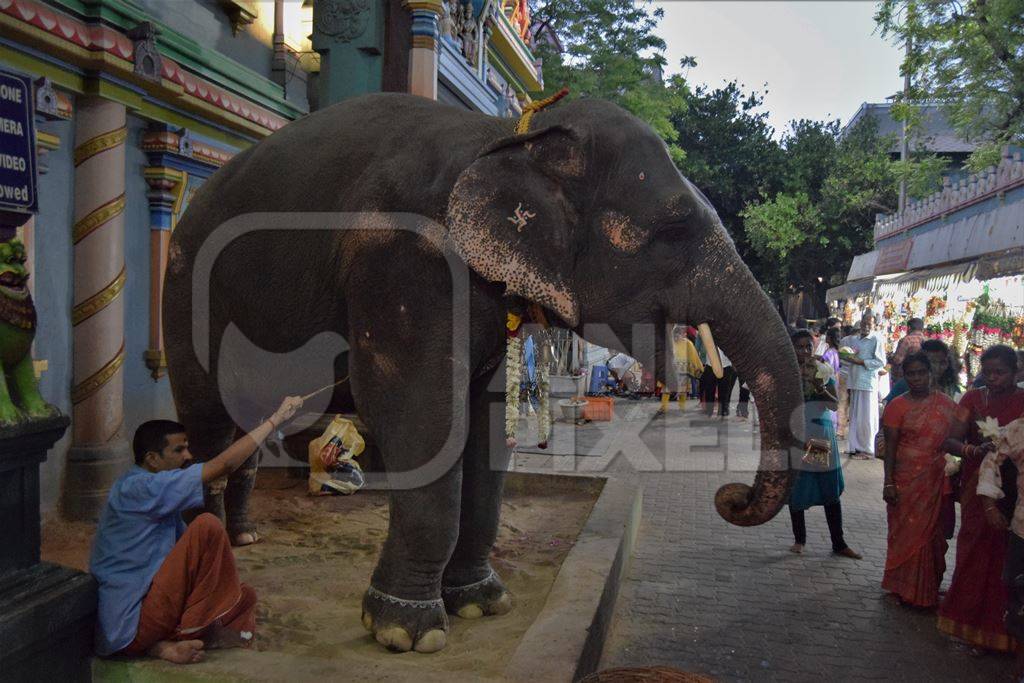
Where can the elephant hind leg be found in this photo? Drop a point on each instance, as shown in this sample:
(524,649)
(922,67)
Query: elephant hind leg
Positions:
(207,439)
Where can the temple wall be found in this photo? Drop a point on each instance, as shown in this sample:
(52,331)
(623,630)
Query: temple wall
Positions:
(52,292)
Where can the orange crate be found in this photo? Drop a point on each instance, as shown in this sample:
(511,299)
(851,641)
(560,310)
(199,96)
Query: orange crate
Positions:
(598,408)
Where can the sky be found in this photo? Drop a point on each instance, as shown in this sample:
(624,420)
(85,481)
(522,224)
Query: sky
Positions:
(820,60)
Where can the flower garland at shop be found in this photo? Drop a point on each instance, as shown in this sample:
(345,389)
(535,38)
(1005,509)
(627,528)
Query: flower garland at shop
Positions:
(975,325)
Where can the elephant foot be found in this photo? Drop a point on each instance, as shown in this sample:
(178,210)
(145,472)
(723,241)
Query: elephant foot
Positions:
(486,597)
(401,625)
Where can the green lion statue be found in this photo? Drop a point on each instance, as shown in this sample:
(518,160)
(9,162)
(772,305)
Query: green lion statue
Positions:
(19,394)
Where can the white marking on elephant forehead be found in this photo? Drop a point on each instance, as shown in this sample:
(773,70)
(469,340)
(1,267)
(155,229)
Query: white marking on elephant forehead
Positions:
(520,217)
(642,176)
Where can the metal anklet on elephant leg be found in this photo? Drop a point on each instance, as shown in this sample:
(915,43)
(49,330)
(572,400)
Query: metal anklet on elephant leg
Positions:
(418,604)
(491,576)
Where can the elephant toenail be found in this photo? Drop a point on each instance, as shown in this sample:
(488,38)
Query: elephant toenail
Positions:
(431,641)
(394,638)
(502,605)
(470,611)
(368,622)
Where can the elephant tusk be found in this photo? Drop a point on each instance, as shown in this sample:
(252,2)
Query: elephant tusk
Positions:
(714,360)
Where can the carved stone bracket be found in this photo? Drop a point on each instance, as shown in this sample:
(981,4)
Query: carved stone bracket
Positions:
(344,20)
(144,53)
(240,12)
(156,361)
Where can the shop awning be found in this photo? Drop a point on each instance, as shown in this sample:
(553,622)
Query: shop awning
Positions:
(863,266)
(934,279)
(849,290)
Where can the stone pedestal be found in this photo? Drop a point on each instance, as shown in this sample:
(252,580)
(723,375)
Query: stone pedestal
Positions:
(46,611)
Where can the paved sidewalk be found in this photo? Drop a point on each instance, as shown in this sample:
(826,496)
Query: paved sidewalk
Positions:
(734,603)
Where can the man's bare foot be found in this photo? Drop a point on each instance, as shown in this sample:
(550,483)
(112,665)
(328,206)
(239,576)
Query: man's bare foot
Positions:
(178,651)
(218,637)
(797,548)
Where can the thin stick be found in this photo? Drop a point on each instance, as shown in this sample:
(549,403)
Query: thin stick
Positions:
(323,389)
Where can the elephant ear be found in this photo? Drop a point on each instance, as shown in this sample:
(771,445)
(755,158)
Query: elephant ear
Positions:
(510,220)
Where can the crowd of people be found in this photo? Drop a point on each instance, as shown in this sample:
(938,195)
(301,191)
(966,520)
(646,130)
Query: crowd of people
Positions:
(936,430)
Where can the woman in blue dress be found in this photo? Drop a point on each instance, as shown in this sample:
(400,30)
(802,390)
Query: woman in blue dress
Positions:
(820,478)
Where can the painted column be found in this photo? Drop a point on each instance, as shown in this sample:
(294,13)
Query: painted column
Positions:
(99,452)
(166,192)
(423,55)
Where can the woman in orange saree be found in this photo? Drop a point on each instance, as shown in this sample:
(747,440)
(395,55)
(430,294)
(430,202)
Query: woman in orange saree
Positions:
(916,424)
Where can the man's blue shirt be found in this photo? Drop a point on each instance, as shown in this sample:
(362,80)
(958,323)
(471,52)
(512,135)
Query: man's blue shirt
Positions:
(140,524)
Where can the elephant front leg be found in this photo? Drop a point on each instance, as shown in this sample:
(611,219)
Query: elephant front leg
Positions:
(402,608)
(471,588)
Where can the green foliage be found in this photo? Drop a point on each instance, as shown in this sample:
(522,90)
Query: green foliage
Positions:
(730,155)
(806,234)
(970,56)
(988,154)
(787,227)
(610,51)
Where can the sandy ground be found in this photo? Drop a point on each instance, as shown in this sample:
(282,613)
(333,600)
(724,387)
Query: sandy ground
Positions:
(311,569)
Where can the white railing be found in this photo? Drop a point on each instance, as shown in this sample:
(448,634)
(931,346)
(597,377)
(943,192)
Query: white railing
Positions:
(955,194)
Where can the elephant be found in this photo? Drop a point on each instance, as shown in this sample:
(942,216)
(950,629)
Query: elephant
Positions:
(584,216)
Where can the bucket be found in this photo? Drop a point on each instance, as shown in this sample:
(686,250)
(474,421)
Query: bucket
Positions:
(572,408)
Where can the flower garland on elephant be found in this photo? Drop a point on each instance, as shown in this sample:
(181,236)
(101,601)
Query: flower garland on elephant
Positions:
(514,378)
(513,323)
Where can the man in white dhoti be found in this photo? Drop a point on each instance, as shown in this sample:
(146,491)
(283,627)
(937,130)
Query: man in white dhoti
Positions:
(863,385)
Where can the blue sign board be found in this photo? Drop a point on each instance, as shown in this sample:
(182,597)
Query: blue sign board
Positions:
(17,145)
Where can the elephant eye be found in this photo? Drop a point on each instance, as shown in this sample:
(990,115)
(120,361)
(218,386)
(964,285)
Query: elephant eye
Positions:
(642,175)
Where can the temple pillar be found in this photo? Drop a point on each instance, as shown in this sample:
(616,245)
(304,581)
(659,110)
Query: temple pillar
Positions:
(423,55)
(99,452)
(349,37)
(166,192)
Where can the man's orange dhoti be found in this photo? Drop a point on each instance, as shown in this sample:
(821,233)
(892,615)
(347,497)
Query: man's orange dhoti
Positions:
(196,585)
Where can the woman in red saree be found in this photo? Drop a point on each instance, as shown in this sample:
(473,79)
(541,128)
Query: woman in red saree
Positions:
(916,425)
(973,608)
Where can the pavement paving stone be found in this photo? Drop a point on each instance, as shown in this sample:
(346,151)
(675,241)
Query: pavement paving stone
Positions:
(733,603)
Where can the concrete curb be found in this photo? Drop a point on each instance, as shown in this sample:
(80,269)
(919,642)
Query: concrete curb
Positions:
(566,639)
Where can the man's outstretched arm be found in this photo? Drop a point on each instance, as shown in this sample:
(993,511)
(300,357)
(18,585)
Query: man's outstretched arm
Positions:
(238,452)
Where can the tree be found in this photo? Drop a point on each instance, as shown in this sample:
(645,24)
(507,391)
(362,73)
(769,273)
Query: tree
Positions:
(970,56)
(834,184)
(730,155)
(610,51)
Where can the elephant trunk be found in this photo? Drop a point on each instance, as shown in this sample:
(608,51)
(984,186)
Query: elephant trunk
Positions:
(753,336)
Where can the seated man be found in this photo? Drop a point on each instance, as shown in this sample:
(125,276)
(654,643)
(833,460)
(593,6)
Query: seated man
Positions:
(166,590)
